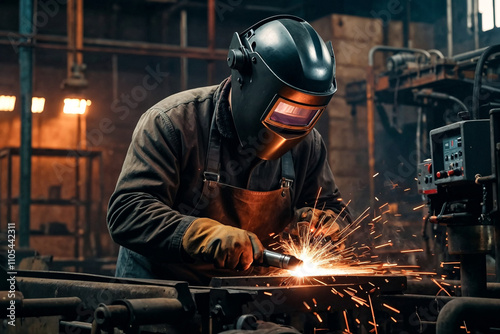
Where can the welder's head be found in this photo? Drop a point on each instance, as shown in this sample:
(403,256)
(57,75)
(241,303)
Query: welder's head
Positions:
(283,76)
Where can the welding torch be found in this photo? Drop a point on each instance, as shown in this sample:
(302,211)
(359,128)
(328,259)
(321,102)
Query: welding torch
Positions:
(278,260)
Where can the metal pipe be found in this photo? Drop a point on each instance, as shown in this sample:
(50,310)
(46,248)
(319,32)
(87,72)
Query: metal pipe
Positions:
(474,311)
(478,76)
(26,91)
(79,32)
(394,49)
(39,307)
(184,42)
(132,312)
(495,168)
(211,40)
(70,27)
(9,187)
(449,25)
(467,56)
(475,18)
(90,225)
(441,96)
(97,234)
(124,47)
(473,275)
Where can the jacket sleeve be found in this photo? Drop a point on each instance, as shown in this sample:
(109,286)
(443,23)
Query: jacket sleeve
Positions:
(319,189)
(140,215)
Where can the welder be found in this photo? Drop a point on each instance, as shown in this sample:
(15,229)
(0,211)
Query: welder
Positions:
(214,174)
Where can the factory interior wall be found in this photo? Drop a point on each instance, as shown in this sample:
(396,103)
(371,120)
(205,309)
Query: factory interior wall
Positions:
(352,38)
(111,119)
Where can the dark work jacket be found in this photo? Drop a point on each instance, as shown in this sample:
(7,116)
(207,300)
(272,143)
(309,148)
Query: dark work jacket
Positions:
(162,175)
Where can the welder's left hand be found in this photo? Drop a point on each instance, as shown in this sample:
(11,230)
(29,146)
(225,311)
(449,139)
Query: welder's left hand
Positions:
(314,223)
(321,222)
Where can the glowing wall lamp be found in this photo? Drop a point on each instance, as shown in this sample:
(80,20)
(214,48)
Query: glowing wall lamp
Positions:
(37,104)
(7,102)
(76,106)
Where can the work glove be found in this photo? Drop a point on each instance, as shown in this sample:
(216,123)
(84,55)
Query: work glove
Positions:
(225,246)
(315,223)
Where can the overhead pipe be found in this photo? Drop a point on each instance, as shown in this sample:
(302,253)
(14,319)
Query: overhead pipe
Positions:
(101,45)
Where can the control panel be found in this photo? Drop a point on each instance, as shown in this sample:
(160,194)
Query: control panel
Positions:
(460,151)
(453,157)
(425,179)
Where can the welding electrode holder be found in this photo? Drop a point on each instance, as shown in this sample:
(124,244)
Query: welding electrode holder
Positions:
(278,260)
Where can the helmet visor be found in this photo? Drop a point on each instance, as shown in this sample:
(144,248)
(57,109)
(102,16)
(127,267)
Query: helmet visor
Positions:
(291,115)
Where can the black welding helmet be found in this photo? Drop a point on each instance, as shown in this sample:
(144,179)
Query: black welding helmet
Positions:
(283,76)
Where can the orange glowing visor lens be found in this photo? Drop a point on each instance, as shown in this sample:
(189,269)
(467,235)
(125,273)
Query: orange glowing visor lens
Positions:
(291,115)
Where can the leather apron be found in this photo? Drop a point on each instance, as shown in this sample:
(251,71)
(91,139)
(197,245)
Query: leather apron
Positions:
(265,213)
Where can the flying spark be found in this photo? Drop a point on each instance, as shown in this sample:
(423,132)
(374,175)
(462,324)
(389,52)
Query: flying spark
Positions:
(418,207)
(391,308)
(346,322)
(412,250)
(321,256)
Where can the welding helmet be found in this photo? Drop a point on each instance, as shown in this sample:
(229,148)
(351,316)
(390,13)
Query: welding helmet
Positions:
(283,76)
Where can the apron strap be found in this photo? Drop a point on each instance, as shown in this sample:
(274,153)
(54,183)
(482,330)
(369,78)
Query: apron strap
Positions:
(287,170)
(211,174)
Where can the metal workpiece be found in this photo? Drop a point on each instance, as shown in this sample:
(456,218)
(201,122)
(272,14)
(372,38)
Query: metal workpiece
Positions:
(127,313)
(40,307)
(278,260)
(384,283)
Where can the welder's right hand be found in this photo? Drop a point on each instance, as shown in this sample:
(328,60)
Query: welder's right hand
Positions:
(225,246)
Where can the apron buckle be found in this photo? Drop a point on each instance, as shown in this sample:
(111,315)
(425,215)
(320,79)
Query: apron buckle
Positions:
(286,183)
(211,176)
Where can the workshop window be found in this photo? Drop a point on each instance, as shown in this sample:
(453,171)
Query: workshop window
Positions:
(490,14)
